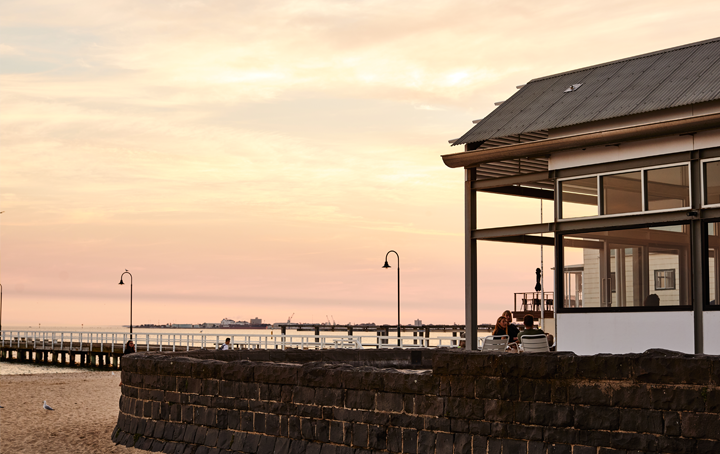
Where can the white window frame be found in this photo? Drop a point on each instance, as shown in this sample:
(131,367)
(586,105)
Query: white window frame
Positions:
(703,189)
(643,195)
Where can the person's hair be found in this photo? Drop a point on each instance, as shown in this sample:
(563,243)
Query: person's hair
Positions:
(227,339)
(497,325)
(652,300)
(129,342)
(528,320)
(506,313)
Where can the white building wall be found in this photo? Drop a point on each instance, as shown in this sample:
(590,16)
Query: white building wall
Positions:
(711,332)
(632,332)
(635,149)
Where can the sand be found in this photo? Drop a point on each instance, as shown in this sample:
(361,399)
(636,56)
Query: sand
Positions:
(86,410)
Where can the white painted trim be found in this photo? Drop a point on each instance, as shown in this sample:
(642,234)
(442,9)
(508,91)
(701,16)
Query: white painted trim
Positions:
(629,332)
(711,332)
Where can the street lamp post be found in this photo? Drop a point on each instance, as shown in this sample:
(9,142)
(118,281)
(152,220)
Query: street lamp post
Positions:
(0,307)
(122,283)
(386,265)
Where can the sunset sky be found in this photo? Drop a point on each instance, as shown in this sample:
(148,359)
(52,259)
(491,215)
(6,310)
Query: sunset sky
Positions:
(258,159)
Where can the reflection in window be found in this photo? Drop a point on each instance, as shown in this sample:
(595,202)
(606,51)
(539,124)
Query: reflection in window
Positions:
(622,193)
(713,240)
(579,197)
(619,267)
(711,173)
(664,279)
(667,188)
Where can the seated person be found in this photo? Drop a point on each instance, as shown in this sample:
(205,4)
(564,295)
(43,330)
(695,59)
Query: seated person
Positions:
(652,300)
(501,327)
(529,323)
(226,345)
(512,329)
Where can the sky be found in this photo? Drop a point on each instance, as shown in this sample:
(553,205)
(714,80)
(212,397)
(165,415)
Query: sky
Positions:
(258,159)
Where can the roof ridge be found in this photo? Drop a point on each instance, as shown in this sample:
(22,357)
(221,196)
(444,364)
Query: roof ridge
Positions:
(626,59)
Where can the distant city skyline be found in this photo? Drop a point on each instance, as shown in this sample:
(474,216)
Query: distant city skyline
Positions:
(261,159)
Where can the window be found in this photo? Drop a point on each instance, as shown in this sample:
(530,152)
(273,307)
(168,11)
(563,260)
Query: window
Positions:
(624,268)
(664,279)
(711,176)
(667,188)
(622,193)
(579,197)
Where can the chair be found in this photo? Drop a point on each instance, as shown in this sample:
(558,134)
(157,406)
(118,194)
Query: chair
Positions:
(495,344)
(536,304)
(534,343)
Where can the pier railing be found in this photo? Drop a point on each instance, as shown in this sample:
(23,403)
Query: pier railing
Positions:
(114,342)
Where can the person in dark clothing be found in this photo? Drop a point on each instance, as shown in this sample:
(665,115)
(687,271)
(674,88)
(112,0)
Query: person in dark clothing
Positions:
(500,327)
(129,347)
(530,330)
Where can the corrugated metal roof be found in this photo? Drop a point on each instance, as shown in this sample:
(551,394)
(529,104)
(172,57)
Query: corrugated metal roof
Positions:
(674,77)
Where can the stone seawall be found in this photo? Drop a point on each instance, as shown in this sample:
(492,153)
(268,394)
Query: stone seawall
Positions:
(395,401)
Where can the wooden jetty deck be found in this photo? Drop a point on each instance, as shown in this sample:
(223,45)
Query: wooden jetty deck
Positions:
(105,350)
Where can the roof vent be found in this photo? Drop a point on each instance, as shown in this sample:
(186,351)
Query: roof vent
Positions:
(573,88)
(499,102)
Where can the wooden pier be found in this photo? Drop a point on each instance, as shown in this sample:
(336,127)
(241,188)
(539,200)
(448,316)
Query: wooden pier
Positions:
(69,354)
(105,350)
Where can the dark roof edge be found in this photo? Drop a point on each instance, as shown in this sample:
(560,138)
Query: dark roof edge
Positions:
(649,54)
(591,139)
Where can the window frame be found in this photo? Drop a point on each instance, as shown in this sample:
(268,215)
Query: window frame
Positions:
(655,279)
(703,188)
(560,277)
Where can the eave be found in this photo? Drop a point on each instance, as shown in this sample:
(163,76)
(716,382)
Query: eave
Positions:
(592,139)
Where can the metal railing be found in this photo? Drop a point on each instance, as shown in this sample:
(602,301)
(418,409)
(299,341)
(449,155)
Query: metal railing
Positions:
(531,301)
(115,342)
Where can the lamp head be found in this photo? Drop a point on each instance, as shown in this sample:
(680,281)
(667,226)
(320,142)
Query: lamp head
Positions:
(121,282)
(386,265)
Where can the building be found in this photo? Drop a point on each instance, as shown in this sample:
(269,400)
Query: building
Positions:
(629,151)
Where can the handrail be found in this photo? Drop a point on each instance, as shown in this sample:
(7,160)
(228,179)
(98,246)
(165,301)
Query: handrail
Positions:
(84,341)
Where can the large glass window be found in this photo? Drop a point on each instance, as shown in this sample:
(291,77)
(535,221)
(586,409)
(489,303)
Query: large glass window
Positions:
(579,197)
(637,191)
(622,193)
(711,173)
(667,188)
(620,268)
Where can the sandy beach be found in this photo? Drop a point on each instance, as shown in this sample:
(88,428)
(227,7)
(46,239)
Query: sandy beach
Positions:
(86,409)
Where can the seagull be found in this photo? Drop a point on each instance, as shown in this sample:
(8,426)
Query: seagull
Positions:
(46,406)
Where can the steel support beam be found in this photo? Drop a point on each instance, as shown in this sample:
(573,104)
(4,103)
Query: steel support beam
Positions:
(699,250)
(525,239)
(517,230)
(522,191)
(471,260)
